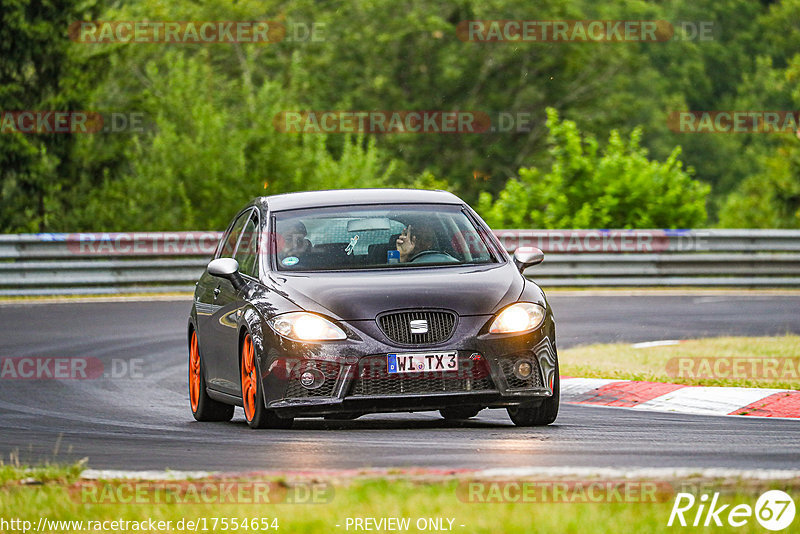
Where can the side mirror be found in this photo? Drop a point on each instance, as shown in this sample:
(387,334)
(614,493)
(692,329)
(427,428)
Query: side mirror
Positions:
(525,257)
(227,268)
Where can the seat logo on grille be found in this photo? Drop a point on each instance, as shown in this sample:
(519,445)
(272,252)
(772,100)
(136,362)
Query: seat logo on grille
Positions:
(419,326)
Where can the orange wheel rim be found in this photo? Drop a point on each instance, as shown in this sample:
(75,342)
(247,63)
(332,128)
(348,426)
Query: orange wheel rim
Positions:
(194,373)
(249,378)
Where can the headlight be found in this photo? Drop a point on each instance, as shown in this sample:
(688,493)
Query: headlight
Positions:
(518,318)
(304,326)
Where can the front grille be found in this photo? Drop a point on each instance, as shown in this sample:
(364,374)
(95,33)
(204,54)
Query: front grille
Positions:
(397,326)
(533,381)
(296,390)
(373,379)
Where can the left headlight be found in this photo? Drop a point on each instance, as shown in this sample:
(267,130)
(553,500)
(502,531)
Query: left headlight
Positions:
(305,326)
(518,318)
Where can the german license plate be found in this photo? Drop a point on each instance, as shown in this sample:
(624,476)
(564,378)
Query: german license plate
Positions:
(419,362)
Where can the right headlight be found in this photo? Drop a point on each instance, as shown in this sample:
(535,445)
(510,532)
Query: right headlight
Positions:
(518,318)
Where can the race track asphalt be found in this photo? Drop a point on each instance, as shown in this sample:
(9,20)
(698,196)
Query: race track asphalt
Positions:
(143,421)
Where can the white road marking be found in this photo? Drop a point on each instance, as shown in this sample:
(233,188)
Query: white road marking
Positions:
(661,343)
(575,387)
(706,400)
(661,473)
(607,473)
(115,474)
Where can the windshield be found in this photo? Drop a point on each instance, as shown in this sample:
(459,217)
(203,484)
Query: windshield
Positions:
(365,237)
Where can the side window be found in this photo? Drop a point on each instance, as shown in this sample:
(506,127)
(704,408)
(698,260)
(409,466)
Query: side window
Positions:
(247,251)
(230,239)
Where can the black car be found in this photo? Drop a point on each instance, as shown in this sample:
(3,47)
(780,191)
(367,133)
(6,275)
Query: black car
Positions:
(340,303)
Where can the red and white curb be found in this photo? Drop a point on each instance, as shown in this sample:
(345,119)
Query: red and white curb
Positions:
(664,397)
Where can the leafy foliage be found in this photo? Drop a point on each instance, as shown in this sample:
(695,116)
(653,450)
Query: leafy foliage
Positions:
(770,198)
(591,187)
(205,158)
(39,70)
(210,143)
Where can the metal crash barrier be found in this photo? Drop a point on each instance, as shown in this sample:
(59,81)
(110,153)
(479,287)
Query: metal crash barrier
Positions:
(101,263)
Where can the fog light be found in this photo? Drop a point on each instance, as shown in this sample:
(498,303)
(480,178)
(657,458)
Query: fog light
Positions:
(307,379)
(523,369)
(312,379)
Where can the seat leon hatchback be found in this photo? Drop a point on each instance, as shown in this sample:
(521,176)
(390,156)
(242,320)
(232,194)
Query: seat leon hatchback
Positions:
(341,303)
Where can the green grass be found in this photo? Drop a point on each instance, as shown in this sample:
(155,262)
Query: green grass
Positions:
(682,290)
(660,364)
(58,498)
(11,474)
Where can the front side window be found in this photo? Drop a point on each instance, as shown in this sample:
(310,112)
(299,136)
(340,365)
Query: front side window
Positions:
(229,240)
(247,251)
(367,237)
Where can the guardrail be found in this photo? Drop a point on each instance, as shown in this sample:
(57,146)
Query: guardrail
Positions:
(50,264)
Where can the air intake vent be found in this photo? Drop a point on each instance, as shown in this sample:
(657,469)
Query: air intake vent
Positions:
(374,380)
(418,327)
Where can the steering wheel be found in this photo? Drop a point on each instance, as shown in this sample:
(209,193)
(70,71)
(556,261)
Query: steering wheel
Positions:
(429,252)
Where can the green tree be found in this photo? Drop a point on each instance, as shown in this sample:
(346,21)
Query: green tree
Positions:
(213,128)
(40,70)
(770,198)
(212,148)
(591,187)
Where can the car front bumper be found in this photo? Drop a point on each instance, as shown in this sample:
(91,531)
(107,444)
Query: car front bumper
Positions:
(356,380)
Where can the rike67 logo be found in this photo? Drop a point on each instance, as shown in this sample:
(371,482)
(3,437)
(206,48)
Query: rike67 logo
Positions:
(774,510)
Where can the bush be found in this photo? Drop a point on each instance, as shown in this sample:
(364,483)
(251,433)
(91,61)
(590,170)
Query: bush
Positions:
(767,200)
(589,187)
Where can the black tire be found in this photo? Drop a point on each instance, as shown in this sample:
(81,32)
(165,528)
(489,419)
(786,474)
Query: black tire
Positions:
(538,414)
(205,409)
(459,412)
(256,414)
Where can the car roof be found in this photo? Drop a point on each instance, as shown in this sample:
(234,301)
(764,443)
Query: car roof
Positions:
(349,197)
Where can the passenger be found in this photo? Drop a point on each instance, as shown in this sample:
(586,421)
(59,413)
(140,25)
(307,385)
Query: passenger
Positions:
(292,240)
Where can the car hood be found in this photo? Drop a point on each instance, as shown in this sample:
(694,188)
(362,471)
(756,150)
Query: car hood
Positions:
(362,295)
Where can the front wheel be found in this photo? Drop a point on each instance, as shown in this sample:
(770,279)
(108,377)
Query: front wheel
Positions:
(538,414)
(255,412)
(204,408)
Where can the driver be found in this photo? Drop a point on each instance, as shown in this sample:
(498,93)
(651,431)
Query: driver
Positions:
(417,244)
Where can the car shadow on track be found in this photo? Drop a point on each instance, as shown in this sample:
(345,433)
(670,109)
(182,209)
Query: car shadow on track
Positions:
(395,422)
